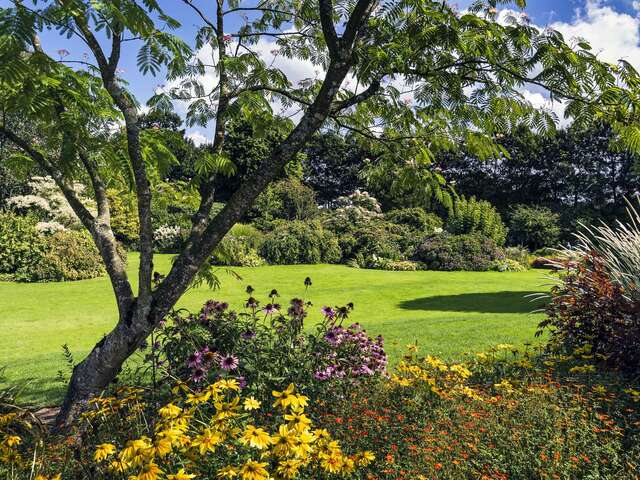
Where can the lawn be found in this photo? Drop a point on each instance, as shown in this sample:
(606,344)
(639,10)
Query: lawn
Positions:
(447,313)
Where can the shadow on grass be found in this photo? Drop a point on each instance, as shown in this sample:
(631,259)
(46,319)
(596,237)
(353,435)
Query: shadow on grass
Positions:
(491,302)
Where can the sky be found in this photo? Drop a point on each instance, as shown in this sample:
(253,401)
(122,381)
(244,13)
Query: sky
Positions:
(611,26)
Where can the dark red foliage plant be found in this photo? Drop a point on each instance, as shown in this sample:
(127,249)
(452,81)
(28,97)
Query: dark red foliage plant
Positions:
(587,309)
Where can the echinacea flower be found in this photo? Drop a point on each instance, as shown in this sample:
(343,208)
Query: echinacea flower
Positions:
(198,375)
(229,362)
(270,309)
(194,360)
(328,312)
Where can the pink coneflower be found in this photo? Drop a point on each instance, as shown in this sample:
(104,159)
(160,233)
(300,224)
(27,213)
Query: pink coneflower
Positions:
(198,375)
(194,360)
(328,312)
(270,309)
(229,362)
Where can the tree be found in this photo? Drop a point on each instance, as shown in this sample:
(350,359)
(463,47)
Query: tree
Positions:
(581,174)
(462,75)
(332,165)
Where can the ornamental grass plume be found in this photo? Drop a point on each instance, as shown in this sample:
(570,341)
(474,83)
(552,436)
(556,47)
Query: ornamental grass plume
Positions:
(618,246)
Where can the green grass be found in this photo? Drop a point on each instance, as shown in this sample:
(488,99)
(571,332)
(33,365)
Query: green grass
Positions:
(448,313)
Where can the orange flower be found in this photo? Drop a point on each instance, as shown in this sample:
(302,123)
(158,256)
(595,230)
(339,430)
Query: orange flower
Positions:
(438,466)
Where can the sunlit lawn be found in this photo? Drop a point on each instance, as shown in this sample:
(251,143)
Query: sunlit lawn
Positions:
(447,313)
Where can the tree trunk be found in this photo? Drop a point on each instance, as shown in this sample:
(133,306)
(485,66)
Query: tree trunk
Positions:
(91,376)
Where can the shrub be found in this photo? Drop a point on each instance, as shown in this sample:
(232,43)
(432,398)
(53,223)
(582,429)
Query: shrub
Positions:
(49,204)
(534,227)
(287,199)
(21,247)
(589,310)
(507,265)
(458,252)
(396,265)
(415,218)
(124,216)
(266,346)
(240,247)
(597,301)
(296,242)
(168,238)
(476,216)
(71,255)
(518,254)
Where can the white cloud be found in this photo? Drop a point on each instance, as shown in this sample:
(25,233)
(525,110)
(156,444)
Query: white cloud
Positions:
(198,138)
(538,100)
(613,35)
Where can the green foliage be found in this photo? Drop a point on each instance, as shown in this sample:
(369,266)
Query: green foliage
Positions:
(124,216)
(476,216)
(469,251)
(295,241)
(240,247)
(287,199)
(173,204)
(28,256)
(416,218)
(365,245)
(517,254)
(21,247)
(70,255)
(534,227)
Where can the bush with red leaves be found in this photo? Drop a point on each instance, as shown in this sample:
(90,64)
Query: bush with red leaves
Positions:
(588,308)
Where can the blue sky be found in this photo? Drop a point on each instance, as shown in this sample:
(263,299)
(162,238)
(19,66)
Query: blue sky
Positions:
(611,26)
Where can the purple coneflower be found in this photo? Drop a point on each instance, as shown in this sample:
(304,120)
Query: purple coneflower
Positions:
(198,375)
(328,312)
(194,360)
(269,309)
(248,335)
(229,362)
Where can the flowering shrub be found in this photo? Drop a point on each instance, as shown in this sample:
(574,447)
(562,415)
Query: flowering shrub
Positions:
(167,238)
(507,265)
(458,252)
(48,203)
(265,347)
(211,433)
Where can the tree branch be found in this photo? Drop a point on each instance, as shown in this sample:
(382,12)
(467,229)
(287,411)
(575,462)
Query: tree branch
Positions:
(325,8)
(369,92)
(99,228)
(130,113)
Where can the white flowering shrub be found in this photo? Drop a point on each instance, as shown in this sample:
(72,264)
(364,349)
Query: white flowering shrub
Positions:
(167,238)
(48,202)
(49,228)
